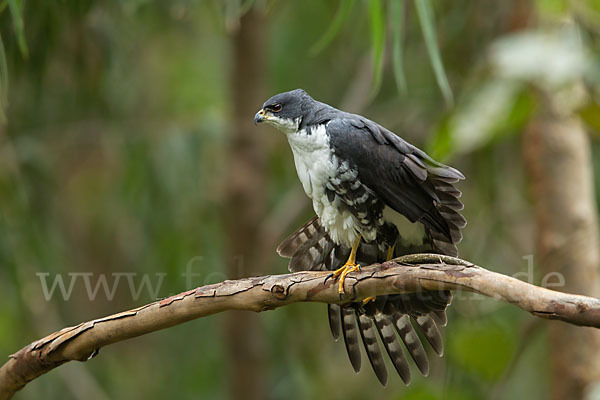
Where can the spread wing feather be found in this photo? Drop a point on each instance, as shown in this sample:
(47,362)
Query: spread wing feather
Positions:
(389,318)
(306,234)
(405,177)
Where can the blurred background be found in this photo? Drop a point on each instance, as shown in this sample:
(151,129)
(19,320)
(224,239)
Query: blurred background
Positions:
(127,149)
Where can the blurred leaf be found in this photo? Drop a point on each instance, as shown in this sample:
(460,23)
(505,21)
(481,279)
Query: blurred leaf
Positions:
(15,10)
(591,115)
(426,391)
(551,59)
(340,17)
(519,114)
(440,145)
(246,6)
(485,349)
(377,23)
(419,392)
(551,8)
(3,5)
(490,111)
(3,82)
(397,12)
(592,4)
(425,14)
(586,14)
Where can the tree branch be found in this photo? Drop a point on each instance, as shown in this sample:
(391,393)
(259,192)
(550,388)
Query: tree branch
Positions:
(412,273)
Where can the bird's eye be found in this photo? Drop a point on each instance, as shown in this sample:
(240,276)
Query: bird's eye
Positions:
(275,107)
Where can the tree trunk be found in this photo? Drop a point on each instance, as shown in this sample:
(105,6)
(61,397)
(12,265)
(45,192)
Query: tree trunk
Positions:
(245,203)
(557,156)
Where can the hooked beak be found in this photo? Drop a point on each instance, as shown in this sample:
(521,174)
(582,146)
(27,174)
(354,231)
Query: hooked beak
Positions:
(259,116)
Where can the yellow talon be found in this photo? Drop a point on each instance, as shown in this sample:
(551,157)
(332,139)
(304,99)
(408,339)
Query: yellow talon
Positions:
(368,299)
(350,266)
(338,271)
(347,269)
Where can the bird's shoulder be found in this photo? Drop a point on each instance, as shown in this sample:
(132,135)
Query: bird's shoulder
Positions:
(352,127)
(351,134)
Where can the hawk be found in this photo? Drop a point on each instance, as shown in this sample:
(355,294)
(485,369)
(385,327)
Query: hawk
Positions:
(376,197)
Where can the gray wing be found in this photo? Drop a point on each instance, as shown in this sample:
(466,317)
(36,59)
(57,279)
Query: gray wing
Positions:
(403,176)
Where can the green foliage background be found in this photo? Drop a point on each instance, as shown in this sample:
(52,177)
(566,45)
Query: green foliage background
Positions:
(112,149)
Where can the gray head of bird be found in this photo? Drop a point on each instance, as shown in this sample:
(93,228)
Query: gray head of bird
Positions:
(285,111)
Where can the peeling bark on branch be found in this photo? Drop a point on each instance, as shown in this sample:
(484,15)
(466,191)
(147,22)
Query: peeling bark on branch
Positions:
(411,273)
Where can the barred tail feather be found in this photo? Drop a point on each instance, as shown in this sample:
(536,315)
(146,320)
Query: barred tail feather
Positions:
(440,318)
(333,312)
(412,342)
(369,338)
(431,332)
(350,334)
(392,346)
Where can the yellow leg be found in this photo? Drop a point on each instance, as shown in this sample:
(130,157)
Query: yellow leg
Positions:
(390,255)
(350,266)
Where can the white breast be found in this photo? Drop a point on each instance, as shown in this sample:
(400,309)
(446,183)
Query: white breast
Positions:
(313,159)
(316,165)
